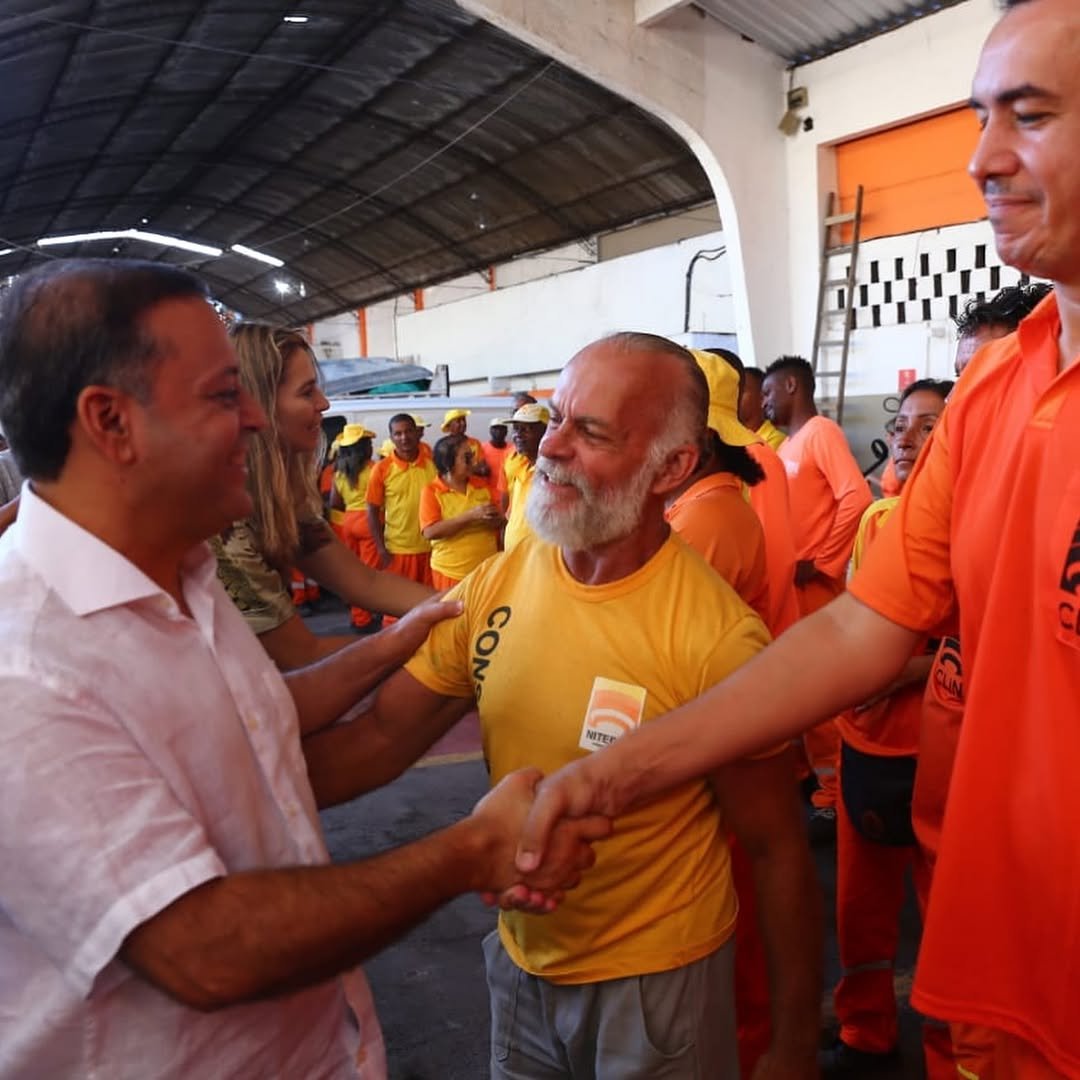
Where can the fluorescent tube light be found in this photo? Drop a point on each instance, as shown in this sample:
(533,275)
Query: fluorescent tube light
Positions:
(294,18)
(131,234)
(251,253)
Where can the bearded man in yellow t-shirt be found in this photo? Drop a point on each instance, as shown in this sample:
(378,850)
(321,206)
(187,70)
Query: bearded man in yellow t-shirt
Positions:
(598,623)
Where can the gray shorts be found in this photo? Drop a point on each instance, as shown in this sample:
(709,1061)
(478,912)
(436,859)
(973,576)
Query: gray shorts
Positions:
(672,1025)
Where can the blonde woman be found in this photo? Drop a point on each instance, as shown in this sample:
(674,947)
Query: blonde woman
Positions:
(287,528)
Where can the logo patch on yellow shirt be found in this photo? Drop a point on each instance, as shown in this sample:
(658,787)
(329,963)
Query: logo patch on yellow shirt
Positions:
(614,709)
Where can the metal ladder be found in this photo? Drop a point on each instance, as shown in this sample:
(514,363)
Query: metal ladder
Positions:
(826,341)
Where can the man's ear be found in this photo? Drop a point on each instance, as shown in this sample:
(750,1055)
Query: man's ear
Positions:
(676,469)
(104,419)
(791,385)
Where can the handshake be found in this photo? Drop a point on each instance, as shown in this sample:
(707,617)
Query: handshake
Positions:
(533,838)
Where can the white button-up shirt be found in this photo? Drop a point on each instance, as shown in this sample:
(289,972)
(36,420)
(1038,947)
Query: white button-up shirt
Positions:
(142,753)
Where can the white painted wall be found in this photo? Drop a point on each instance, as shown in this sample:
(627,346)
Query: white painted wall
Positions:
(528,332)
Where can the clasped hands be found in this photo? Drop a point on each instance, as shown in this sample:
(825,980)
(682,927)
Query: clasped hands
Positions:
(543,831)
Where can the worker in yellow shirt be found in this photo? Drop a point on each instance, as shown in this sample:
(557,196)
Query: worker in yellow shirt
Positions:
(527,427)
(456,422)
(752,408)
(457,514)
(632,976)
(348,497)
(393,501)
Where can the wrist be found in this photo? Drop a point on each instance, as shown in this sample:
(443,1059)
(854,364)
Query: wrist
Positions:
(476,845)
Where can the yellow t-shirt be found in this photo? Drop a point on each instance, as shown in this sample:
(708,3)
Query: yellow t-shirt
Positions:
(354,498)
(553,664)
(395,486)
(455,556)
(771,434)
(519,474)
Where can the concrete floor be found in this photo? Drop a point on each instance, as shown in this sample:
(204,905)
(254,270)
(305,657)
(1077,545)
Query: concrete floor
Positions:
(430,987)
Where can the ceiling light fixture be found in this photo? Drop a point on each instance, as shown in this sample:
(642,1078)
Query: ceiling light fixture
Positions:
(131,234)
(283,287)
(7,251)
(258,256)
(294,18)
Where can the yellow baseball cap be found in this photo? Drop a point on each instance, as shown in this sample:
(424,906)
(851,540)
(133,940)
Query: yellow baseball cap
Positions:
(352,434)
(387,448)
(454,414)
(723,382)
(528,414)
(419,421)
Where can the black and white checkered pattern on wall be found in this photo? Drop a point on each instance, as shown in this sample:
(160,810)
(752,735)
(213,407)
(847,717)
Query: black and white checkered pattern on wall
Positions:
(922,277)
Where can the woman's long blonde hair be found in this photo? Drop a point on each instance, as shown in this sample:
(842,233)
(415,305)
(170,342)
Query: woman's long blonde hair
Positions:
(283,484)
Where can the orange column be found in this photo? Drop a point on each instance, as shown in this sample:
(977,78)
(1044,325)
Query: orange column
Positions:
(418,299)
(361,326)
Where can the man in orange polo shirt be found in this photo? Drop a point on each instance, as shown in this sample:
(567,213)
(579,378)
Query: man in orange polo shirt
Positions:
(496,451)
(828,497)
(997,537)
(393,502)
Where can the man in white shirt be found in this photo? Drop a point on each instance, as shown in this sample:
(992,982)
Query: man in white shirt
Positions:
(166,904)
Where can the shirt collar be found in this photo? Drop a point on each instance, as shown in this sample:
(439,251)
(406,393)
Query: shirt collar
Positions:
(86,573)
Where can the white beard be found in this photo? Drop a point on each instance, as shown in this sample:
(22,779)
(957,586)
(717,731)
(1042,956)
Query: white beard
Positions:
(596,518)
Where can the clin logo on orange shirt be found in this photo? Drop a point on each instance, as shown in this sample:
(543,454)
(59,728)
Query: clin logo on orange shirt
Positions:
(614,709)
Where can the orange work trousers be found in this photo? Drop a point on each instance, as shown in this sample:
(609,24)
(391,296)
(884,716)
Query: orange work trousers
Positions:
(413,567)
(821,743)
(989,1054)
(302,589)
(442,582)
(356,535)
(869,897)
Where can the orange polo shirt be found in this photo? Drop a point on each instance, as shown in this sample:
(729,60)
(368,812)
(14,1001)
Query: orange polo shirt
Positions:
(828,494)
(889,728)
(496,459)
(455,556)
(772,504)
(395,487)
(990,520)
(716,521)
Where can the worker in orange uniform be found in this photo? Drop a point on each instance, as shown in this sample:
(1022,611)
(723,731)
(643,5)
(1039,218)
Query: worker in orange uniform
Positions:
(875,844)
(496,451)
(393,501)
(772,504)
(455,422)
(457,514)
(527,425)
(828,497)
(752,406)
(352,472)
(994,536)
(711,513)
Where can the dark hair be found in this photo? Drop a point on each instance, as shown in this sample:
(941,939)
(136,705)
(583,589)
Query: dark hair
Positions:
(754,373)
(733,459)
(70,324)
(397,418)
(444,453)
(522,397)
(797,366)
(730,357)
(1006,308)
(351,459)
(941,387)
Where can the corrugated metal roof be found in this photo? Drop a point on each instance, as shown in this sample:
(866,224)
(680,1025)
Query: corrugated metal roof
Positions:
(805,30)
(375,148)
